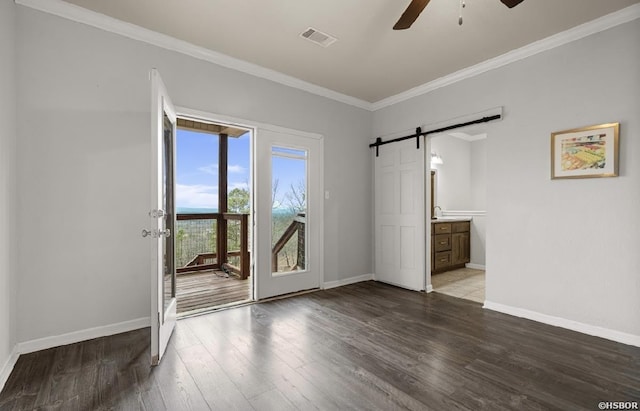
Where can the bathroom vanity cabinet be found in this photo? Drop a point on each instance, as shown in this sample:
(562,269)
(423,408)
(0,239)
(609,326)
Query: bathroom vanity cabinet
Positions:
(450,244)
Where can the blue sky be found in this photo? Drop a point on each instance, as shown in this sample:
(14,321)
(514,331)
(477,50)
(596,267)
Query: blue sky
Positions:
(197,169)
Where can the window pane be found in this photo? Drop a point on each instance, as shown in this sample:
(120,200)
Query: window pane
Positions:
(288,210)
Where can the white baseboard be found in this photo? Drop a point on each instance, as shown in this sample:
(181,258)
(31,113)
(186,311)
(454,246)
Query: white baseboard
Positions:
(347,281)
(606,333)
(82,335)
(6,369)
(475,266)
(64,339)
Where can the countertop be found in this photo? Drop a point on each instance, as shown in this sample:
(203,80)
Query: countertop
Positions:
(449,219)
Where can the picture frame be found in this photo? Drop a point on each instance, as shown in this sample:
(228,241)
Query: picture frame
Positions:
(585,152)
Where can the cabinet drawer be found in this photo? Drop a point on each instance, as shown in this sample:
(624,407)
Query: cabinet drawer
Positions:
(460,227)
(442,260)
(442,242)
(441,228)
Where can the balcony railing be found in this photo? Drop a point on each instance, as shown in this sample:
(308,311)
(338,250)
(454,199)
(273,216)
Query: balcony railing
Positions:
(209,241)
(297,226)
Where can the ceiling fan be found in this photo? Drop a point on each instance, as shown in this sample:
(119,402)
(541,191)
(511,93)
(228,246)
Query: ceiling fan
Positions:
(416,6)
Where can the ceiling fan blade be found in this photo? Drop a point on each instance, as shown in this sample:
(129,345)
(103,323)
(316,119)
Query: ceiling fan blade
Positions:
(511,3)
(411,14)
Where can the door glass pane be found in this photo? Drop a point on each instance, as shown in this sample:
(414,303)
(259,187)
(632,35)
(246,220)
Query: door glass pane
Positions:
(196,199)
(169,283)
(288,210)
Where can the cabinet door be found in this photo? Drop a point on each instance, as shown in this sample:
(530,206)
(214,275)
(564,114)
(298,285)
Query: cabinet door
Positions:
(460,248)
(466,247)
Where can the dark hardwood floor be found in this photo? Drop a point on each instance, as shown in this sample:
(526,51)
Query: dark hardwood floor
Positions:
(365,346)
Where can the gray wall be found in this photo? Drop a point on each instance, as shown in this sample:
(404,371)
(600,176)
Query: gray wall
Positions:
(7,179)
(454,174)
(563,248)
(83,151)
(478,201)
(478,183)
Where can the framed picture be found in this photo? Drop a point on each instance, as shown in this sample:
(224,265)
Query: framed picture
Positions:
(585,152)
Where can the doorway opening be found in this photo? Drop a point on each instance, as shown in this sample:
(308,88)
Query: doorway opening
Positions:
(212,208)
(458,210)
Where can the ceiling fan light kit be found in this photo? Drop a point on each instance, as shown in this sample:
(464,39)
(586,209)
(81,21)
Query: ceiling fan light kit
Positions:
(414,9)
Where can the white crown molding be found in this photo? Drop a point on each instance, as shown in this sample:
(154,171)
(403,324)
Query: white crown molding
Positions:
(81,15)
(101,21)
(576,33)
(594,330)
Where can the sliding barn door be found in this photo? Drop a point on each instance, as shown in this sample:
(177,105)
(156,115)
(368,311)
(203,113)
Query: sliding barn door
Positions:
(399,187)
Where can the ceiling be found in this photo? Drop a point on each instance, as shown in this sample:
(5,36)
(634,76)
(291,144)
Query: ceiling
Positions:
(370,61)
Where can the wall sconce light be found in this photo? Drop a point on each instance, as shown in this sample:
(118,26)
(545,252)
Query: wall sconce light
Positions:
(436,159)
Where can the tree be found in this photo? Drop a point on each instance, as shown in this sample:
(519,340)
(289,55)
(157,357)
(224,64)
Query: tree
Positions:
(295,200)
(238,201)
(181,235)
(297,197)
(274,193)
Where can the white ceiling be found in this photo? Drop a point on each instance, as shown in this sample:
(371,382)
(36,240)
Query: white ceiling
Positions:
(370,61)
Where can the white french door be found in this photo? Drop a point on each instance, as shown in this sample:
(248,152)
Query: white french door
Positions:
(288,212)
(163,273)
(399,218)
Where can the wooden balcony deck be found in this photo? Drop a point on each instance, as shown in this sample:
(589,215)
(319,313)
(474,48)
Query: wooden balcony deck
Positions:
(209,288)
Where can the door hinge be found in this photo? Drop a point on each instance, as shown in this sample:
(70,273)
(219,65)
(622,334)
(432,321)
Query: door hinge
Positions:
(157,213)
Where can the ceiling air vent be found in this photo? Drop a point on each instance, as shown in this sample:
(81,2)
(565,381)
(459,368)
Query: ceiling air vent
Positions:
(318,37)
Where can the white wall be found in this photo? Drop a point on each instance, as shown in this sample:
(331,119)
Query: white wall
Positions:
(453,175)
(7,182)
(478,201)
(83,152)
(561,248)
(478,177)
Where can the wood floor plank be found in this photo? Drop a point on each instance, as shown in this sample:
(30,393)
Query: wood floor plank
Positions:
(366,346)
(216,387)
(302,393)
(177,387)
(150,393)
(208,289)
(272,400)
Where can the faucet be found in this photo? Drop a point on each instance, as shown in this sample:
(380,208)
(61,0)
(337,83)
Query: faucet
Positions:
(435,213)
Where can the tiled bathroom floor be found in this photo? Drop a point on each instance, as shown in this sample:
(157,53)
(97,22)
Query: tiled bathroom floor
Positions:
(466,283)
